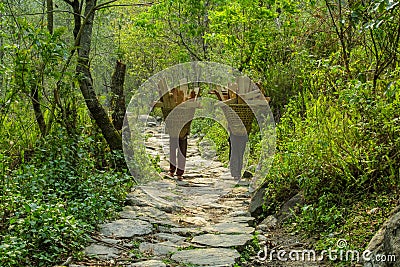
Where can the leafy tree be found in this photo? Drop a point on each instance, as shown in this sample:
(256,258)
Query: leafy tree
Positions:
(380,21)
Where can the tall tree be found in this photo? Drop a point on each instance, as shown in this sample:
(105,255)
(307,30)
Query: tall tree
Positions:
(84,40)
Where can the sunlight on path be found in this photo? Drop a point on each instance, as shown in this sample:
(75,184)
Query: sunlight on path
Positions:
(200,221)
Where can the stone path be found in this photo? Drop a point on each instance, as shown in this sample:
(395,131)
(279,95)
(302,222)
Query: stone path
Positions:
(202,221)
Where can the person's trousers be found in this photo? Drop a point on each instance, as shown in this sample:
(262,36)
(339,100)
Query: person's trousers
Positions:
(177,154)
(237,146)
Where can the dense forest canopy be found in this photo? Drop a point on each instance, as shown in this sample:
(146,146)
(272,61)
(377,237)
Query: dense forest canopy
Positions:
(331,69)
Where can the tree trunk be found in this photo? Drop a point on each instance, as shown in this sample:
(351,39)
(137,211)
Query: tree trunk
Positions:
(38,112)
(118,98)
(50,18)
(76,7)
(111,135)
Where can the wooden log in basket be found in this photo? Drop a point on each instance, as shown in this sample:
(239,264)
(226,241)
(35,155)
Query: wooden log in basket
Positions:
(178,124)
(236,105)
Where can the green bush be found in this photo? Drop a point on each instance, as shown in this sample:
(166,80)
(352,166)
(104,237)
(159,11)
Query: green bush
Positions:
(201,125)
(217,134)
(50,204)
(340,149)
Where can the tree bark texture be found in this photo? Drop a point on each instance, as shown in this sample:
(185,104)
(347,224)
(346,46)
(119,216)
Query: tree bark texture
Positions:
(118,98)
(50,18)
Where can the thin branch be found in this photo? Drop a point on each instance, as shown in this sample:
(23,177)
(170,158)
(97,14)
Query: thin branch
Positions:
(13,16)
(103,4)
(127,5)
(75,47)
(29,96)
(181,38)
(41,13)
(339,31)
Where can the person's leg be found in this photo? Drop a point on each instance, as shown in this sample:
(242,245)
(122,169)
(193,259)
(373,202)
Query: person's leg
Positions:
(242,140)
(173,146)
(237,148)
(233,157)
(230,147)
(182,156)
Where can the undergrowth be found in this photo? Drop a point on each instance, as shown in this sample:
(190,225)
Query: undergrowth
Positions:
(51,201)
(341,150)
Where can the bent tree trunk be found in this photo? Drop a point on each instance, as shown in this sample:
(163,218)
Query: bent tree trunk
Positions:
(111,135)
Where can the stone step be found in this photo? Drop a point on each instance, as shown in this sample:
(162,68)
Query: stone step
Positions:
(216,257)
(222,240)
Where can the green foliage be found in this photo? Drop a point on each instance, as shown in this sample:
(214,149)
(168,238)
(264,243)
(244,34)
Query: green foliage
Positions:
(44,228)
(344,144)
(201,125)
(252,248)
(254,146)
(241,26)
(156,163)
(50,204)
(335,98)
(217,134)
(321,215)
(339,150)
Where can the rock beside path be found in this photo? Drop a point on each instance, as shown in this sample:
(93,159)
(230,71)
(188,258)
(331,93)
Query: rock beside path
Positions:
(257,202)
(386,243)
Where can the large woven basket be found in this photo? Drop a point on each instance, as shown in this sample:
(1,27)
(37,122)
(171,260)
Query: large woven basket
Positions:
(238,115)
(178,124)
